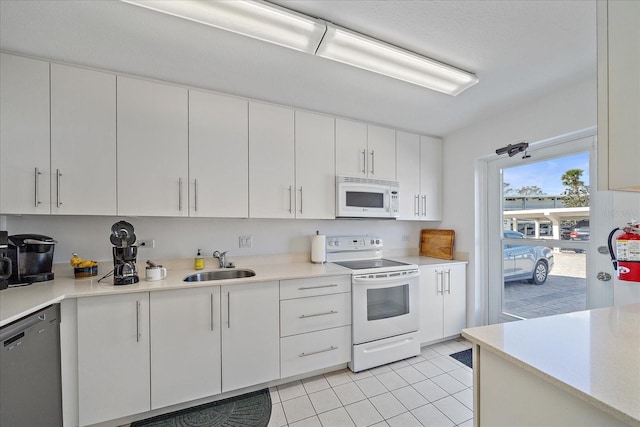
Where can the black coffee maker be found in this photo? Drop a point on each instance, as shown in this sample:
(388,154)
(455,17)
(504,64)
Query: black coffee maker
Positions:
(31,258)
(124,254)
(5,261)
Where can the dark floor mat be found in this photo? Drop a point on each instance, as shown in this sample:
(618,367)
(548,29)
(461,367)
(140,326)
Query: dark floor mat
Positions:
(251,409)
(464,356)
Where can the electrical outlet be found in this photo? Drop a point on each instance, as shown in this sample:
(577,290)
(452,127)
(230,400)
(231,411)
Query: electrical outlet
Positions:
(245,242)
(146,243)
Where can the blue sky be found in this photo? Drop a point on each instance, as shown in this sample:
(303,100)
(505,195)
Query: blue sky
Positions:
(547,174)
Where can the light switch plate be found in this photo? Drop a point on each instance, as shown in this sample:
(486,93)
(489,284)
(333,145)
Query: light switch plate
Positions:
(245,242)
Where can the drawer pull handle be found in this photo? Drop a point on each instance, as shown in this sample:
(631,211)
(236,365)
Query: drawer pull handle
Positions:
(317,352)
(304,288)
(304,316)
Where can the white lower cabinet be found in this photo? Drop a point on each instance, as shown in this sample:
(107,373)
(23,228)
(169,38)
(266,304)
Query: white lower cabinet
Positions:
(113,357)
(250,334)
(312,314)
(143,351)
(309,352)
(315,330)
(443,296)
(185,345)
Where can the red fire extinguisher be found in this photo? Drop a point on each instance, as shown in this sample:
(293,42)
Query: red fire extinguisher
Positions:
(627,261)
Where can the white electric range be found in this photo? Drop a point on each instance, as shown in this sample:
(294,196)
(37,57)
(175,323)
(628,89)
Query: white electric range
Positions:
(385,301)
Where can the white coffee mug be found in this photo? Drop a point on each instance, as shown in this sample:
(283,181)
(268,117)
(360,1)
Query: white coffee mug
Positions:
(155,273)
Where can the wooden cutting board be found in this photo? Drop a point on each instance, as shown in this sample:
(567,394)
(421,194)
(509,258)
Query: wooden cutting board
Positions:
(437,243)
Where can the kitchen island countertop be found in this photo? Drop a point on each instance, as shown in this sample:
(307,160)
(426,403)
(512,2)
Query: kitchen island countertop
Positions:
(593,354)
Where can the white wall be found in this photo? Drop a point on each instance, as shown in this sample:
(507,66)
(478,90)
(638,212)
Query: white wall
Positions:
(557,111)
(181,237)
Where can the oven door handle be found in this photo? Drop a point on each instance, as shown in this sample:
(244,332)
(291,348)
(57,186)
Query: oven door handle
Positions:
(386,277)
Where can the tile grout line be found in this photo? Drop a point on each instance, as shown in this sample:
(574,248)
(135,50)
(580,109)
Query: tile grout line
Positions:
(439,349)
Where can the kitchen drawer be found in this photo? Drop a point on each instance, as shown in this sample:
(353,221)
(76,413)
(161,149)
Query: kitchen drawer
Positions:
(314,286)
(304,353)
(298,316)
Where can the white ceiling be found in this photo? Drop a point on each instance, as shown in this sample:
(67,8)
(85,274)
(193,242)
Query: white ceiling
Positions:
(518,49)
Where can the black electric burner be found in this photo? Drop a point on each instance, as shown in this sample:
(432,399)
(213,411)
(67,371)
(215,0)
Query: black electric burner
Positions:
(370,263)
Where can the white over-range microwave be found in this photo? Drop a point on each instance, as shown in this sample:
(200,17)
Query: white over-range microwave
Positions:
(366,198)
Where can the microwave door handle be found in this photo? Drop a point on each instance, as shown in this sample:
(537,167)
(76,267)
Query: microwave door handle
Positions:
(387,202)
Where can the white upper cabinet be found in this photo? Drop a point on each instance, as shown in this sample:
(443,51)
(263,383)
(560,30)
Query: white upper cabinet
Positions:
(83,141)
(619,95)
(152,148)
(351,148)
(419,174)
(381,153)
(271,161)
(24,136)
(315,166)
(430,178)
(409,175)
(218,156)
(365,151)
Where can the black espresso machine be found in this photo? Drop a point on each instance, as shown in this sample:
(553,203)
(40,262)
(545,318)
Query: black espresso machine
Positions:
(125,253)
(31,257)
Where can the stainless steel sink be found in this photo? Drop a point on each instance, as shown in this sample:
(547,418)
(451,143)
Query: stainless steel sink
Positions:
(236,273)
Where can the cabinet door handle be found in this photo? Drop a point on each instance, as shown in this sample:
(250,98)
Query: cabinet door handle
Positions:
(317,352)
(290,196)
(424,205)
(37,174)
(180,194)
(300,199)
(373,160)
(211,312)
(137,321)
(364,162)
(304,316)
(195,195)
(439,289)
(449,281)
(58,176)
(305,288)
(228,310)
(416,205)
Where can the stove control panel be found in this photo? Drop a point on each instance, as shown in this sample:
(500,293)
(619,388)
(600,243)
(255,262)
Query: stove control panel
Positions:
(353,243)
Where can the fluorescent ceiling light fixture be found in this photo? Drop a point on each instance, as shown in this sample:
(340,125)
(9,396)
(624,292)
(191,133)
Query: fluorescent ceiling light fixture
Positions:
(256,19)
(364,52)
(274,24)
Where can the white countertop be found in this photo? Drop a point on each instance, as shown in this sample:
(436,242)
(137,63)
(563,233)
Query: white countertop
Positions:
(18,302)
(423,260)
(593,354)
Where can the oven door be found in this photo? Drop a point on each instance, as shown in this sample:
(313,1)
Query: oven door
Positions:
(384,305)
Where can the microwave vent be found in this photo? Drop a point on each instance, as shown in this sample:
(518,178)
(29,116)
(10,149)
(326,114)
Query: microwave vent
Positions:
(357,180)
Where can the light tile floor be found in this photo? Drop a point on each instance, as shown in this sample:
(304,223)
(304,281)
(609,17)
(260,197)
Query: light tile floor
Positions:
(432,389)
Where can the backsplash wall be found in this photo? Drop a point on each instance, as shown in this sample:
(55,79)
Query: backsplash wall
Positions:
(181,237)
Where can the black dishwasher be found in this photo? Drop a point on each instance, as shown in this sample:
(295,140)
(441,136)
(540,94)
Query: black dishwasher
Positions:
(30,384)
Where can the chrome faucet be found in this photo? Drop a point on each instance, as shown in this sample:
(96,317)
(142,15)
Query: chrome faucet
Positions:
(221,258)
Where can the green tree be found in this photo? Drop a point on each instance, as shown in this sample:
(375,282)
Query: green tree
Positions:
(577,193)
(506,189)
(530,190)
(525,190)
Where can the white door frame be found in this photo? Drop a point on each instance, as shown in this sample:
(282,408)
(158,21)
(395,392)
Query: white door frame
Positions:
(489,221)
